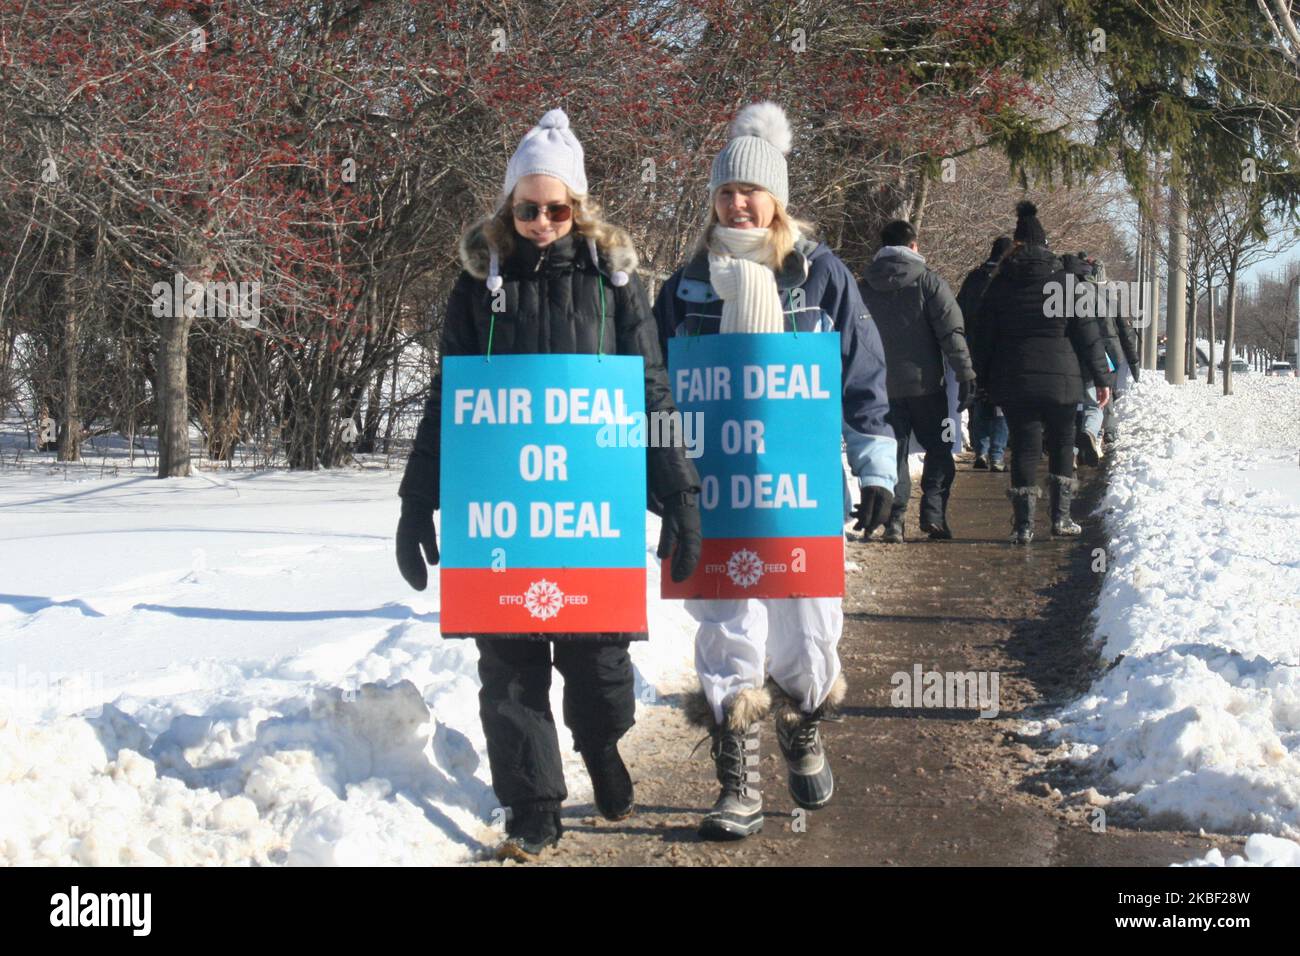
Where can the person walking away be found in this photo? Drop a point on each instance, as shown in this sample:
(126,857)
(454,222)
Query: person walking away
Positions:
(988,426)
(1121,345)
(1028,350)
(920,326)
(568,282)
(1088,419)
(757,269)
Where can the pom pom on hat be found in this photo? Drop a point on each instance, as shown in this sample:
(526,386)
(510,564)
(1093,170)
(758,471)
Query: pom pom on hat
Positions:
(1028,228)
(554,119)
(767,121)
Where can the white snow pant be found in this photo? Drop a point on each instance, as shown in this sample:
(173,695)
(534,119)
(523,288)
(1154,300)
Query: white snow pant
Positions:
(795,637)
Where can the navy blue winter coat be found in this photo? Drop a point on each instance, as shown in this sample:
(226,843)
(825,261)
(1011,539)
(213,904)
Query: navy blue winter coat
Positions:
(687,305)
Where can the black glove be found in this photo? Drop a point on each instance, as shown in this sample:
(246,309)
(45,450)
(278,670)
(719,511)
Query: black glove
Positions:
(873,510)
(415,531)
(966,393)
(680,535)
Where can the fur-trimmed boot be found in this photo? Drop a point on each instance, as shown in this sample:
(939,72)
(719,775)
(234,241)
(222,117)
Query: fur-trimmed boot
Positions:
(1063,489)
(809,772)
(738,811)
(1023,501)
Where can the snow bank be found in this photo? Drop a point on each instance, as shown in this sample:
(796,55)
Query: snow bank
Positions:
(1197,721)
(228,669)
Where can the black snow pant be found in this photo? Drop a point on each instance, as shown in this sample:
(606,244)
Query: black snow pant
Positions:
(1027,424)
(515,707)
(926,416)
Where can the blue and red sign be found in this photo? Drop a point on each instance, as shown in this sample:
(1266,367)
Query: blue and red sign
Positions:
(771,498)
(543,517)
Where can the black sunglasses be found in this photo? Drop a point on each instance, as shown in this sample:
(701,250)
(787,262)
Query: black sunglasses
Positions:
(555,211)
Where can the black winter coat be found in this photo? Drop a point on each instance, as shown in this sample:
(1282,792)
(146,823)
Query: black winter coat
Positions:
(971,293)
(919,321)
(552,305)
(1023,355)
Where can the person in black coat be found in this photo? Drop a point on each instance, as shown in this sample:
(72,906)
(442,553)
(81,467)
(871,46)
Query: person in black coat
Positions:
(544,275)
(920,326)
(1028,353)
(988,426)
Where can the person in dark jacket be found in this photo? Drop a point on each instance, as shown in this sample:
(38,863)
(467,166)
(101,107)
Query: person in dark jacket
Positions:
(1087,426)
(1121,347)
(988,426)
(567,284)
(1028,348)
(920,326)
(755,270)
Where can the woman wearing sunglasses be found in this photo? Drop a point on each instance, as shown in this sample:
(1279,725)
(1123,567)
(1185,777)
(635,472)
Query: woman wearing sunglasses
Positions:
(755,269)
(558,268)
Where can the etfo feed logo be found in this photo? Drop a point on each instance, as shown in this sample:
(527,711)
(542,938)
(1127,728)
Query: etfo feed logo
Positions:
(744,567)
(543,599)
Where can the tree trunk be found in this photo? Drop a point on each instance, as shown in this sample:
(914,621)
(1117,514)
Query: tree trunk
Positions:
(1210,294)
(1230,325)
(173,395)
(919,198)
(70,427)
(1176,320)
(173,367)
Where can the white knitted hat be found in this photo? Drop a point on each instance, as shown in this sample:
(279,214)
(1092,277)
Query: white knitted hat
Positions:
(549,149)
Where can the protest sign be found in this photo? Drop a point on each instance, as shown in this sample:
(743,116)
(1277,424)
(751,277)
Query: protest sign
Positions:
(771,498)
(543,525)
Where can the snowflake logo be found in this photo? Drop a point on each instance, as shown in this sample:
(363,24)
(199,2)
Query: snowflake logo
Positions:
(744,568)
(543,599)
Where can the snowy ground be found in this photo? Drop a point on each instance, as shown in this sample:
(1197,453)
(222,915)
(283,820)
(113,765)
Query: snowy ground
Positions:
(229,669)
(1198,719)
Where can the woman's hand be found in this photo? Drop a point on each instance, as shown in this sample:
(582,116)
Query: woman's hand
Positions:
(1103,396)
(415,531)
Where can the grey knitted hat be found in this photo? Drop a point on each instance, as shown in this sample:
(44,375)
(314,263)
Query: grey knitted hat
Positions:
(549,149)
(760,138)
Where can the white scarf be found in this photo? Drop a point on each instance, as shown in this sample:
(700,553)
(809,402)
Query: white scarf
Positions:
(750,300)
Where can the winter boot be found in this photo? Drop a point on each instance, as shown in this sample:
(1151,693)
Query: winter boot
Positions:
(937,530)
(1062,490)
(1090,450)
(893,529)
(738,811)
(810,777)
(1023,501)
(981,463)
(610,780)
(531,829)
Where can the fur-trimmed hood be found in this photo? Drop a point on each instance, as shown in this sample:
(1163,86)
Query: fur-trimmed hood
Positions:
(616,256)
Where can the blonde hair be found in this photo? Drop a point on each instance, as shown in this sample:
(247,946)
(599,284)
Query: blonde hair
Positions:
(588,222)
(781,232)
